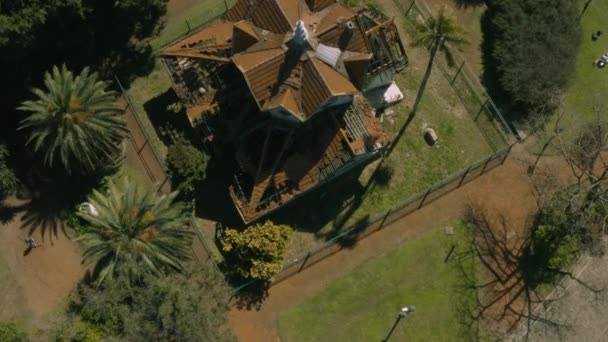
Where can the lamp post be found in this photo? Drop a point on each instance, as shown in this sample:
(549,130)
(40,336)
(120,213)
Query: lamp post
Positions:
(402,313)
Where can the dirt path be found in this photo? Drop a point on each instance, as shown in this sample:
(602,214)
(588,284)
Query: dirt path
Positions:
(506,189)
(44,277)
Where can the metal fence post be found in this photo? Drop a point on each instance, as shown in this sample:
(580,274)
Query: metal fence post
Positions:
(388,212)
(410,8)
(304,263)
(160,187)
(424,198)
(507,154)
(457,73)
(483,106)
(490,158)
(464,176)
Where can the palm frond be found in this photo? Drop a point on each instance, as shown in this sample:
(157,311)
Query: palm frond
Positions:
(134,223)
(74,120)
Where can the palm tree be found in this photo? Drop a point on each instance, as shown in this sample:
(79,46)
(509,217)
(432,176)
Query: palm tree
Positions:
(75,119)
(132,223)
(434,34)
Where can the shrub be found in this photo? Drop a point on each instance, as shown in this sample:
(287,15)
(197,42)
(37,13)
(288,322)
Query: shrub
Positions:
(138,306)
(186,164)
(258,251)
(554,248)
(9,332)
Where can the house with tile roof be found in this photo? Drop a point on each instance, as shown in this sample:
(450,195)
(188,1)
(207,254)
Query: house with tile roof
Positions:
(284,83)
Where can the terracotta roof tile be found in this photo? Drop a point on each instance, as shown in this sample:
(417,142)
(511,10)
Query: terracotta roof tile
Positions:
(238,11)
(215,34)
(261,70)
(356,67)
(316,90)
(345,38)
(244,36)
(334,81)
(288,101)
(317,5)
(269,16)
(291,10)
(330,19)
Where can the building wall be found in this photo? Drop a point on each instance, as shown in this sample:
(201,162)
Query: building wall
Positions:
(383,78)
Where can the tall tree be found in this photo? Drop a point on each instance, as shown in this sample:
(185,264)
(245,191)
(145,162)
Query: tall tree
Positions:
(74,120)
(138,306)
(533,53)
(132,223)
(434,34)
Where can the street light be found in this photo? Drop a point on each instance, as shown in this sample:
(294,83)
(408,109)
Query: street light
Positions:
(402,313)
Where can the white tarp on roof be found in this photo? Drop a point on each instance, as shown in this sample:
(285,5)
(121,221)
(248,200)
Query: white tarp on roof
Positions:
(384,96)
(328,54)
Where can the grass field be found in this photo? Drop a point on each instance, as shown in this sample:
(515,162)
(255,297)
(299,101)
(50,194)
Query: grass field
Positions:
(144,89)
(589,86)
(184,16)
(417,166)
(362,305)
(339,205)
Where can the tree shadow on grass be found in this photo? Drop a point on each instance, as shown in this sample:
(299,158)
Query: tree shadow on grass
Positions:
(511,294)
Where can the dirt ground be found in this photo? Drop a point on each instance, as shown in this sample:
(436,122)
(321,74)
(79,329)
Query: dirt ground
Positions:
(505,189)
(36,283)
(577,312)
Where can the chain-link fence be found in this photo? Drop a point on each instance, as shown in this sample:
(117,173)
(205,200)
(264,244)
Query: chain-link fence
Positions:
(477,103)
(382,220)
(200,15)
(465,83)
(150,159)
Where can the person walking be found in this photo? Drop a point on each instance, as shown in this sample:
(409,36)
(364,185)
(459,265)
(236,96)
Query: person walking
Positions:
(31,243)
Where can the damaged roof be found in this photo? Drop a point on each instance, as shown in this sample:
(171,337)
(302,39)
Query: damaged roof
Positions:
(294,54)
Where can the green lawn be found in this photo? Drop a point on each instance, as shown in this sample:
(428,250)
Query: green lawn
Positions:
(362,305)
(589,86)
(417,166)
(187,15)
(338,206)
(146,88)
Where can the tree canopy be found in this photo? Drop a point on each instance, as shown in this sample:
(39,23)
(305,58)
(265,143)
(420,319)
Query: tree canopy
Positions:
(138,306)
(186,164)
(258,251)
(534,45)
(37,34)
(74,120)
(134,224)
